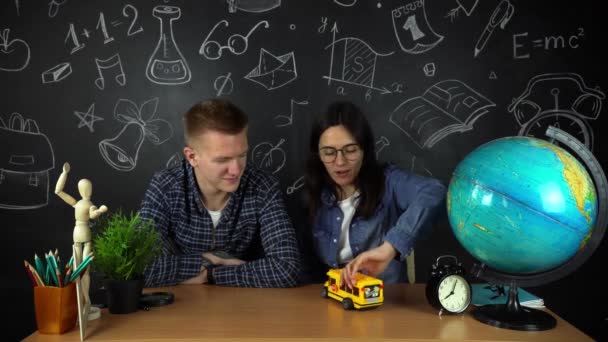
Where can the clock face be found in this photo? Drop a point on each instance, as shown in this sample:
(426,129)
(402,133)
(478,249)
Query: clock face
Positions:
(454,293)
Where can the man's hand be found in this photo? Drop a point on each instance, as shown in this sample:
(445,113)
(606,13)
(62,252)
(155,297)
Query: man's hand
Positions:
(199,279)
(222,259)
(373,262)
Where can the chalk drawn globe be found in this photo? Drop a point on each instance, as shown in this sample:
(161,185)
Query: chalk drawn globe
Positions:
(522,205)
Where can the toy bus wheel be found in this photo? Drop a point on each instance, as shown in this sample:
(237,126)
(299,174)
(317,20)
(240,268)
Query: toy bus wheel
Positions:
(324,292)
(348,304)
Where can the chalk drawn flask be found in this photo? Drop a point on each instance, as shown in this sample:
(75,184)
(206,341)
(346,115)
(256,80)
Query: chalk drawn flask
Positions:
(167,65)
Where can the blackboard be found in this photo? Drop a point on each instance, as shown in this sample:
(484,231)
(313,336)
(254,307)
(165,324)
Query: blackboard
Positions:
(103,86)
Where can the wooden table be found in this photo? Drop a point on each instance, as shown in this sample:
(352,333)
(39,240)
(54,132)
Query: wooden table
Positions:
(203,312)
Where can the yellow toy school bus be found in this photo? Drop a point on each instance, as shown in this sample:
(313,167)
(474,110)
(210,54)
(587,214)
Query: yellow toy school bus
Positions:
(368,293)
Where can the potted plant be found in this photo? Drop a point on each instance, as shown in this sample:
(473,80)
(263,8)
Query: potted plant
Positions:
(123,247)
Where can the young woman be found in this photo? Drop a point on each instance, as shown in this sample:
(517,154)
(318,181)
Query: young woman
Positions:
(366,216)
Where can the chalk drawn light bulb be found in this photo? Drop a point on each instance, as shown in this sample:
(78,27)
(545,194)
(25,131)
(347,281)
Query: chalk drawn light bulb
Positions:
(167,65)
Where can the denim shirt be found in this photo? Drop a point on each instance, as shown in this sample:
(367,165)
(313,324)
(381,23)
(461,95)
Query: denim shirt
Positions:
(409,205)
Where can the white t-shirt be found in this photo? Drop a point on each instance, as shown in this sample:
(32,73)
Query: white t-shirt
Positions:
(348,206)
(215,216)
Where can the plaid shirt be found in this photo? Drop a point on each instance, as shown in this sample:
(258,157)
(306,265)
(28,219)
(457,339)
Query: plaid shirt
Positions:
(254,227)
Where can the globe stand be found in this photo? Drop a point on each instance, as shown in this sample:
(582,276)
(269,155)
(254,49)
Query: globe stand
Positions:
(514,316)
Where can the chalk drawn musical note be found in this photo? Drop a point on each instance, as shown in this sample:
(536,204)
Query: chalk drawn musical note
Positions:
(167,65)
(297,185)
(237,44)
(88,118)
(14,54)
(255,6)
(286,120)
(268,157)
(412,29)
(110,63)
(54,7)
(223,85)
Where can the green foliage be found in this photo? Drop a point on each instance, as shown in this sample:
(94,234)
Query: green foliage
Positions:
(125,246)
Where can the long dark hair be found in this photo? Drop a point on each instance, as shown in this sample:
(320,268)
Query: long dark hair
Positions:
(370,180)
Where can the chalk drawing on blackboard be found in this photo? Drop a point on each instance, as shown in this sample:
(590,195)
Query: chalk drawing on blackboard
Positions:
(467,6)
(381,144)
(272,71)
(88,118)
(417,166)
(346,3)
(26,157)
(295,186)
(492,75)
(412,28)
(562,100)
(255,6)
(353,62)
(174,161)
(17,7)
(73,38)
(223,85)
(57,73)
(323,26)
(429,69)
(115,65)
(292,27)
(125,13)
(54,7)
(167,65)
(236,43)
(121,152)
(501,15)
(269,157)
(286,120)
(446,107)
(14,53)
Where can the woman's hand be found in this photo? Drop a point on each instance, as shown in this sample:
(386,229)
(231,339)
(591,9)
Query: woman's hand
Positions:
(373,262)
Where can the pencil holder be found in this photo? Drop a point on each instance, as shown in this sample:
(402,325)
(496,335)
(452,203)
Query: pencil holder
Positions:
(56,308)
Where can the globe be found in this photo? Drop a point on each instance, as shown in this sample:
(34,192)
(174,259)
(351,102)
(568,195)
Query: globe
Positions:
(530,212)
(522,205)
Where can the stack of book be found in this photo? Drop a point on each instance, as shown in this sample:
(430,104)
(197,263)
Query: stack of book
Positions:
(484,294)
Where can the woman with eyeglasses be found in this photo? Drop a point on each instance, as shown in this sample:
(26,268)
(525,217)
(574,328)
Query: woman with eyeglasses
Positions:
(365,215)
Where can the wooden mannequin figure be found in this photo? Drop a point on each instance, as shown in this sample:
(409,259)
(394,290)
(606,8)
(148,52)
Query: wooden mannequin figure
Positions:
(84,210)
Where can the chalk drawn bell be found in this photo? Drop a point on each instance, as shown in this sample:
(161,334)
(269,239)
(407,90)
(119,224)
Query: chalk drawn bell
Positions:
(121,151)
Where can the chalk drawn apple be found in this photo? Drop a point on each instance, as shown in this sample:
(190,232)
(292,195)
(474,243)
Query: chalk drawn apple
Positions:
(268,157)
(14,54)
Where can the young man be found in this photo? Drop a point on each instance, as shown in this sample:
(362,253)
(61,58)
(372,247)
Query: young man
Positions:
(222,221)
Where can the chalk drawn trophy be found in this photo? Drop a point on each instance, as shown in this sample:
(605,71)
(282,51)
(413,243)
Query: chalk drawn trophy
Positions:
(84,210)
(167,65)
(561,100)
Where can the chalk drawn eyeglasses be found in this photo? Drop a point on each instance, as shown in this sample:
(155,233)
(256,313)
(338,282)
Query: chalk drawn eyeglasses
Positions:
(237,44)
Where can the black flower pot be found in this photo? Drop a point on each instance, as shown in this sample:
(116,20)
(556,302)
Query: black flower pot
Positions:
(123,295)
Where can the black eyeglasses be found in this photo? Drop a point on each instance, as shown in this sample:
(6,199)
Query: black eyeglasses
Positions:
(329,154)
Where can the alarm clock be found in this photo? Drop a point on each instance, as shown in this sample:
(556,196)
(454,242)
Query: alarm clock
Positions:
(447,289)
